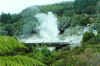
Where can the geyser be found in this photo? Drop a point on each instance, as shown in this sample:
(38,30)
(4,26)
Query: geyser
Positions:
(48,29)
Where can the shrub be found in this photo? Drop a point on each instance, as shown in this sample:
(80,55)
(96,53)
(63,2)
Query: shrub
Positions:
(87,36)
(44,55)
(95,40)
(97,26)
(68,59)
(9,45)
(2,30)
(81,20)
(85,6)
(64,22)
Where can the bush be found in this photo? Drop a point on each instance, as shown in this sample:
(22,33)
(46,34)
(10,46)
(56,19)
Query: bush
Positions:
(87,36)
(95,40)
(9,45)
(85,6)
(64,22)
(68,59)
(81,20)
(97,26)
(90,40)
(2,30)
(44,55)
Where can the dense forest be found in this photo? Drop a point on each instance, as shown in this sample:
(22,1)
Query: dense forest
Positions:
(70,14)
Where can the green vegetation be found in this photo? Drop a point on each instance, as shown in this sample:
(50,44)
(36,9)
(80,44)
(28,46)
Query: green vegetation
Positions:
(11,53)
(10,24)
(9,45)
(64,8)
(16,53)
(70,14)
(19,61)
(87,36)
(85,6)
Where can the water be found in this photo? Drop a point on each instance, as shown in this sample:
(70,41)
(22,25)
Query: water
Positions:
(48,28)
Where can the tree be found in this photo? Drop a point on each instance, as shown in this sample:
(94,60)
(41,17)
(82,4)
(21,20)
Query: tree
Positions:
(5,18)
(85,6)
(9,18)
(11,29)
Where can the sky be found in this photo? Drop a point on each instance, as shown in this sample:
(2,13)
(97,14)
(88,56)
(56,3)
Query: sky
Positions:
(16,6)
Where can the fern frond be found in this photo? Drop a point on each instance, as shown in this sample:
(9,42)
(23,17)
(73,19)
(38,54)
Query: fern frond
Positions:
(19,61)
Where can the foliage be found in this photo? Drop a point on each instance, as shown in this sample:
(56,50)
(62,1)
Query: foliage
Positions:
(17,54)
(85,6)
(5,18)
(9,45)
(2,30)
(19,61)
(10,29)
(97,26)
(64,8)
(81,20)
(87,36)
(10,24)
(90,39)
(41,53)
(64,22)
(94,40)
(8,18)
(41,56)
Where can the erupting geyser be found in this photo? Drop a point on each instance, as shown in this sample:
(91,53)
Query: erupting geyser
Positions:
(48,29)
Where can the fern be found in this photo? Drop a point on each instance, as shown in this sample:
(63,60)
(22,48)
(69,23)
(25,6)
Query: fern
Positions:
(9,45)
(19,61)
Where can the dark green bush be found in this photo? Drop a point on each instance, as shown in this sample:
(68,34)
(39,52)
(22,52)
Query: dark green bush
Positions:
(87,36)
(81,20)
(85,6)
(95,40)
